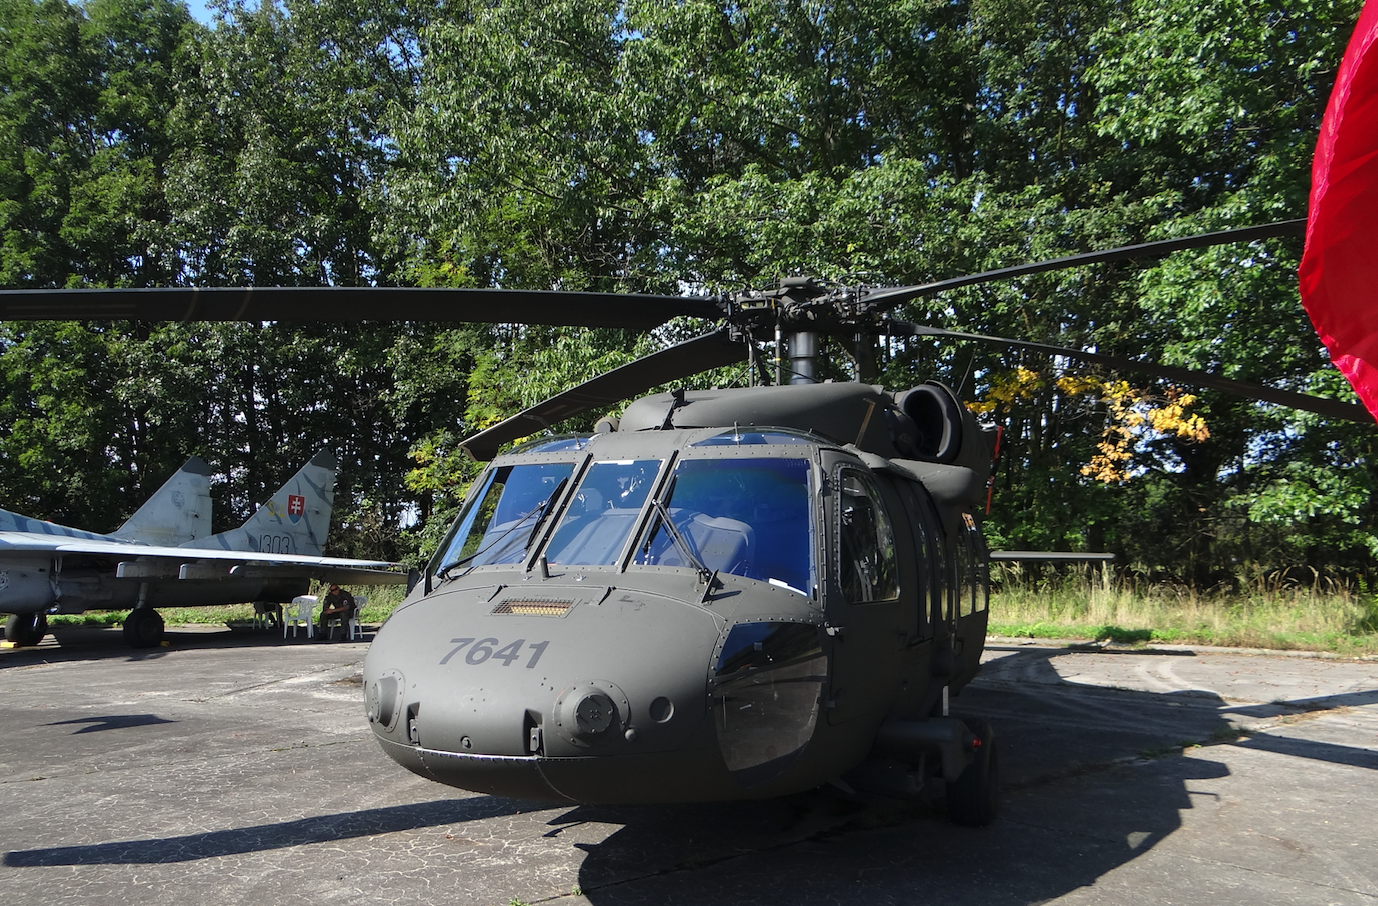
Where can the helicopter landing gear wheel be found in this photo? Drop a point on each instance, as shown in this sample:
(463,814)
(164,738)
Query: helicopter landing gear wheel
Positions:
(26,629)
(971,798)
(143,628)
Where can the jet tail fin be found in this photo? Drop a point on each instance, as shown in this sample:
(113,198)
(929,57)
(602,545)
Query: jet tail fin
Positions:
(294,521)
(178,512)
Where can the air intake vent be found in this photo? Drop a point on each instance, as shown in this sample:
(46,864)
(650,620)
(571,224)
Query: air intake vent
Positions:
(534,607)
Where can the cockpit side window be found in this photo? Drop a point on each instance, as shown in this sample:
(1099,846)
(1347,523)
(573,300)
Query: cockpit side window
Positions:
(867,567)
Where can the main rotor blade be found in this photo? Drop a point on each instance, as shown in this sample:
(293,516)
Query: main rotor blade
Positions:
(350,303)
(899,294)
(1321,406)
(712,350)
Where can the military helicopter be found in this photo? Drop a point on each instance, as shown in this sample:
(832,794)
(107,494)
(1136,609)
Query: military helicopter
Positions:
(724,594)
(735,593)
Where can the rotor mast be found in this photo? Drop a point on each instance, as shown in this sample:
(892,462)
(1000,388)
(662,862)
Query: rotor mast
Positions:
(803,357)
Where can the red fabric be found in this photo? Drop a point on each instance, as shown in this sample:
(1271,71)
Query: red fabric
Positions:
(1339,269)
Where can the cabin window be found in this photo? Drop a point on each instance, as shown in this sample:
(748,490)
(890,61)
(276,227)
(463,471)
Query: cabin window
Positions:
(765,694)
(602,512)
(973,592)
(867,568)
(744,517)
(497,525)
(923,522)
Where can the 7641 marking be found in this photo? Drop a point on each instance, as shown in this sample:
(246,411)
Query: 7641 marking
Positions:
(487,648)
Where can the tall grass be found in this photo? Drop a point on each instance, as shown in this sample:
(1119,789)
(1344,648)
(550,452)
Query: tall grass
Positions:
(1270,613)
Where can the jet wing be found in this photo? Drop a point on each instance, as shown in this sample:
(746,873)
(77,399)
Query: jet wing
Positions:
(343,575)
(206,562)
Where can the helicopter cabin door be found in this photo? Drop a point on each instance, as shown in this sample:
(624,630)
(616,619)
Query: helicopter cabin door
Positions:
(870,597)
(972,600)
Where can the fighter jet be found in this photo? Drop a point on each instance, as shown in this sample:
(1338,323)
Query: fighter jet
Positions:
(164,556)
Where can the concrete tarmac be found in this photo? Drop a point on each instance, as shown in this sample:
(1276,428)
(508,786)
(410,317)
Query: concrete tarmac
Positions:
(236,768)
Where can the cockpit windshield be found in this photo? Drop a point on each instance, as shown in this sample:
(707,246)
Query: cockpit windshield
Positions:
(603,512)
(498,524)
(747,517)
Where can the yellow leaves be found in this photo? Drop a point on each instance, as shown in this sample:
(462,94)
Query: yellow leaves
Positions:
(1076,386)
(440,466)
(1173,419)
(1008,388)
(1132,414)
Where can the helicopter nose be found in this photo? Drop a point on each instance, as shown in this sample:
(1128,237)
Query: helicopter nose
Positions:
(468,685)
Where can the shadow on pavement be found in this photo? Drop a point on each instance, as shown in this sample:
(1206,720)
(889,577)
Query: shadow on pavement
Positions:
(1094,779)
(112,722)
(1310,749)
(1309,705)
(264,837)
(1091,784)
(66,644)
(821,847)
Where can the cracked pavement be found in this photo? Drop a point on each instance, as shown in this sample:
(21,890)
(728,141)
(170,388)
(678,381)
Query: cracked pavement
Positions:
(230,768)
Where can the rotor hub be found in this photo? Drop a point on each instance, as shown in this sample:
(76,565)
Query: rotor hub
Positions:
(802,303)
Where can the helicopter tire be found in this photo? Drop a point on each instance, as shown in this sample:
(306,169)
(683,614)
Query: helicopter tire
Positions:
(143,628)
(971,798)
(26,629)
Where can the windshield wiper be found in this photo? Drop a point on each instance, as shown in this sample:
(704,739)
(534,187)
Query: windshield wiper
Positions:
(681,544)
(546,508)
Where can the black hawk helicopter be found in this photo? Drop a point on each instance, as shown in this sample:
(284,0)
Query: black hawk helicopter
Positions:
(725,594)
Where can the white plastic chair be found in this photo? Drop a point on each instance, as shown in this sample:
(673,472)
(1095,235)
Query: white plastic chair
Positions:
(354,625)
(265,612)
(300,613)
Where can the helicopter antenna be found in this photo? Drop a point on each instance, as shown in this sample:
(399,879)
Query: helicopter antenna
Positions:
(971,360)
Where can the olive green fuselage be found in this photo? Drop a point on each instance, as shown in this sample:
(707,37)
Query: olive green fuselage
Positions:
(679,614)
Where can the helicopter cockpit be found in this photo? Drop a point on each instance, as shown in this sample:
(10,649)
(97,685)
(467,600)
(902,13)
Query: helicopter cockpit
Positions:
(727,504)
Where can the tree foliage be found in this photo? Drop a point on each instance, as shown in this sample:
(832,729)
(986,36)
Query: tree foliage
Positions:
(671,145)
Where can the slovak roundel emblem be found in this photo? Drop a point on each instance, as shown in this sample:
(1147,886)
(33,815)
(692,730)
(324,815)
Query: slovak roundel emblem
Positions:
(296,507)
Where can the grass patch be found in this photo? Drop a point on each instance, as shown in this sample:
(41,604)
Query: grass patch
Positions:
(1306,619)
(1336,621)
(382,601)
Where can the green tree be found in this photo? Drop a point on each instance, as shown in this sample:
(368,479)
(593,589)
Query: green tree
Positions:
(281,142)
(86,94)
(666,146)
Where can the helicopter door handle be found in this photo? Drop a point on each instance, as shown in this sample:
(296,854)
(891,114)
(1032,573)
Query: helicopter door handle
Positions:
(834,630)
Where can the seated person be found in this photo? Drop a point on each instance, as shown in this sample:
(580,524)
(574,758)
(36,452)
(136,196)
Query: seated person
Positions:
(337,604)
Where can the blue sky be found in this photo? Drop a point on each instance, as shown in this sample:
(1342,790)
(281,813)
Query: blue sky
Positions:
(199,12)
